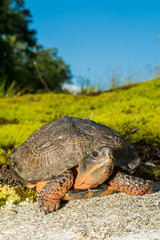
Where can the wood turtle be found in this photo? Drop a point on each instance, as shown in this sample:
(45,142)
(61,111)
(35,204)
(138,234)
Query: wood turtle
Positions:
(73,158)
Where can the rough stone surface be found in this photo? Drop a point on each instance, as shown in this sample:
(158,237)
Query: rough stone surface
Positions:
(114,217)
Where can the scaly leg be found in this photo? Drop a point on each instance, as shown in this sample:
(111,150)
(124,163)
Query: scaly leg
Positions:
(51,194)
(132,185)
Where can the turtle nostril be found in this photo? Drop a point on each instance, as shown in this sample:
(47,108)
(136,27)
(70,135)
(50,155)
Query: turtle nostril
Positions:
(111,155)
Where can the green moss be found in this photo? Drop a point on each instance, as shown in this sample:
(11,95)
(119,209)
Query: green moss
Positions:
(25,193)
(15,195)
(154,173)
(8,195)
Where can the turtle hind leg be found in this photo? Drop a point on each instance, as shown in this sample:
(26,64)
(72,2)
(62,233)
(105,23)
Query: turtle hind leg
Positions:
(132,185)
(8,177)
(51,194)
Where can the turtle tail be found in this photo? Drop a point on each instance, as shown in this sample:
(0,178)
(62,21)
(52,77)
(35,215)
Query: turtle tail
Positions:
(132,185)
(8,177)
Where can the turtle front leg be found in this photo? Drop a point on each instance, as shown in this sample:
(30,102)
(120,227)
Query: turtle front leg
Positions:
(132,185)
(51,194)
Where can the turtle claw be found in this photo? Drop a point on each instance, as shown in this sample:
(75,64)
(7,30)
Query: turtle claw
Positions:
(48,205)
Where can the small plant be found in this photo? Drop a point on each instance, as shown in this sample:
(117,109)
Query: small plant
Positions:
(2,89)
(10,91)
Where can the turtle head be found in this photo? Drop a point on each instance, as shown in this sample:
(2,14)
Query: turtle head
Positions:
(95,168)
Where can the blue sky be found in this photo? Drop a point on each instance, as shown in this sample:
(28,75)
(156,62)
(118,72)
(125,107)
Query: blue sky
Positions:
(97,37)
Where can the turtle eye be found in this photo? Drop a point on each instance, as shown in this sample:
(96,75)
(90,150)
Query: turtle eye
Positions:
(95,154)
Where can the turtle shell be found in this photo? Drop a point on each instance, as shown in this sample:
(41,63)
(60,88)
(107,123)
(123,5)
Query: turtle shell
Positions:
(61,144)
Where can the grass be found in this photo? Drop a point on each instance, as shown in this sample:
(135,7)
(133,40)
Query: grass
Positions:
(134,112)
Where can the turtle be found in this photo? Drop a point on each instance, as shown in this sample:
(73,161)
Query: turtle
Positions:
(74,158)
